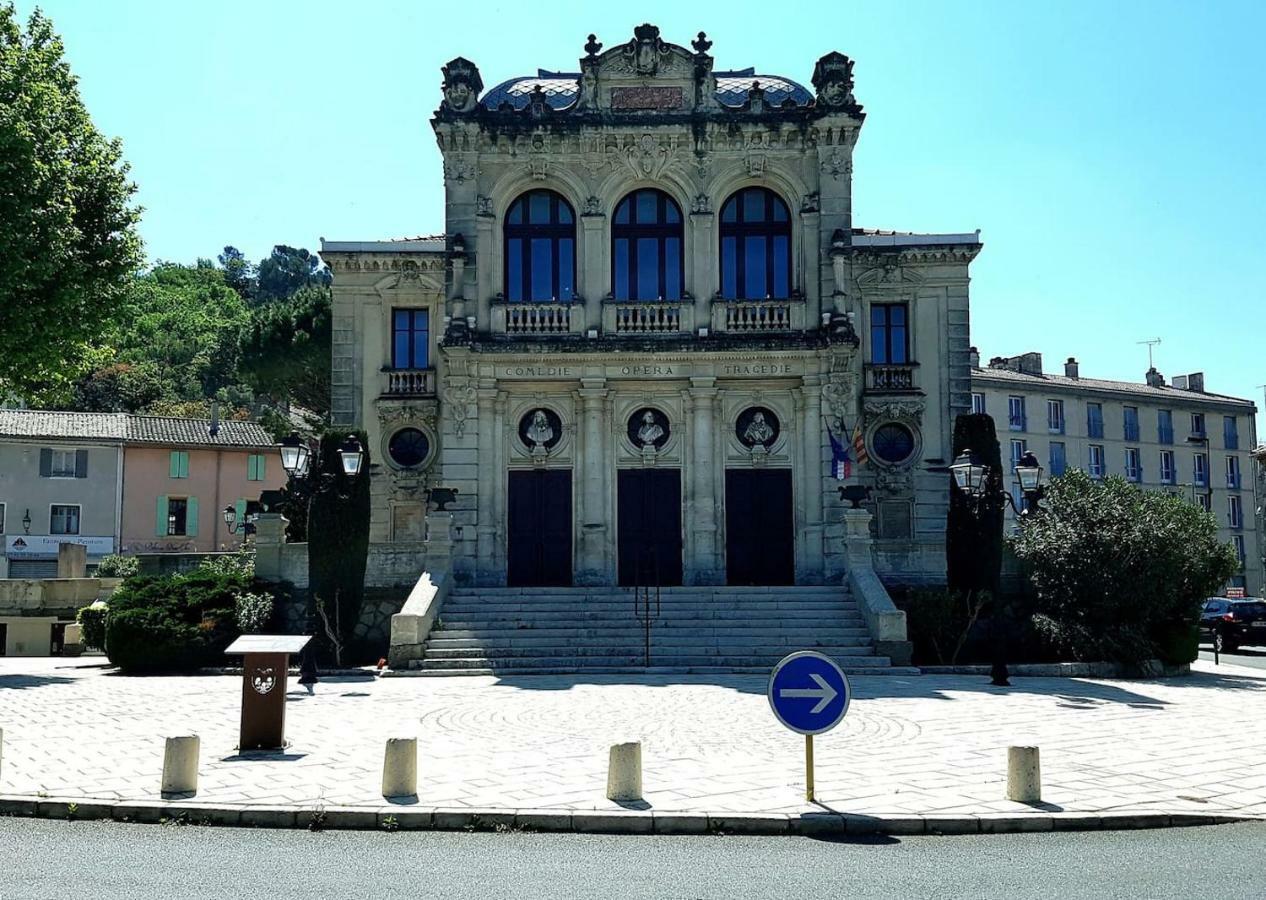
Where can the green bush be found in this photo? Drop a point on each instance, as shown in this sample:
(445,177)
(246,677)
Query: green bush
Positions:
(92,621)
(175,622)
(253,612)
(240,562)
(1121,574)
(940,621)
(115,566)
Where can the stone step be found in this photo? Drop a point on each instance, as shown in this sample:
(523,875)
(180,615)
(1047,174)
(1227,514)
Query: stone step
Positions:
(628,606)
(587,671)
(636,659)
(438,654)
(612,615)
(668,635)
(735,590)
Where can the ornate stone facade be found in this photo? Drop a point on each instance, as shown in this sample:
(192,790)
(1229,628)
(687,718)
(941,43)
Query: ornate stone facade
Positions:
(703,378)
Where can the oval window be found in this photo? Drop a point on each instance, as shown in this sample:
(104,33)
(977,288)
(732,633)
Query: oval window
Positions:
(408,447)
(892,443)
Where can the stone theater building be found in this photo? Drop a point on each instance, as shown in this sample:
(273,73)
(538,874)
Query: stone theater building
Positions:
(649,306)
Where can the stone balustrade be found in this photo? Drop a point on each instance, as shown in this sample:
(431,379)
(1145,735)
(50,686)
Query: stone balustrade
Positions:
(538,318)
(409,383)
(757,316)
(890,377)
(648,317)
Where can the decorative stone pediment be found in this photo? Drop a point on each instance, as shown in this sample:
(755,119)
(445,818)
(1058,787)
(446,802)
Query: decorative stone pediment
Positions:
(644,74)
(904,410)
(411,279)
(890,273)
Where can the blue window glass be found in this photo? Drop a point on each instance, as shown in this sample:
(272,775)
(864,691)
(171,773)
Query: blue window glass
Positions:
(1164,426)
(1131,422)
(410,339)
(889,340)
(1059,458)
(540,254)
(1230,433)
(758,223)
(647,261)
(1094,420)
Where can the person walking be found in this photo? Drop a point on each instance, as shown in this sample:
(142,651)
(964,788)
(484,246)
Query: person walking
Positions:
(308,673)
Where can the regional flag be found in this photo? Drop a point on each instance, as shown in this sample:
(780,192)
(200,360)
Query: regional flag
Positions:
(841,465)
(859,445)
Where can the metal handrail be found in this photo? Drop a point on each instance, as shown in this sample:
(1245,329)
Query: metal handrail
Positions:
(642,598)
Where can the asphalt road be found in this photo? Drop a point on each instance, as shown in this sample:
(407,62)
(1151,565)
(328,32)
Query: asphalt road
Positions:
(45,859)
(1244,656)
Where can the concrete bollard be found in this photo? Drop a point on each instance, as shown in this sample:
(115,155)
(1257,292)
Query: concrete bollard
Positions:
(400,768)
(624,772)
(180,764)
(1024,775)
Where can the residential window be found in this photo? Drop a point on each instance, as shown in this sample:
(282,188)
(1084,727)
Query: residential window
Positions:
(1230,433)
(177,517)
(1015,413)
(2,507)
(63,464)
(410,339)
(1235,511)
(1233,472)
(1095,462)
(1203,501)
(1018,449)
(1059,458)
(889,334)
(1130,422)
(1200,470)
(978,404)
(1133,464)
(1237,541)
(178,464)
(1094,420)
(63,519)
(648,258)
(1164,426)
(256,463)
(1197,424)
(540,250)
(1169,474)
(755,246)
(1055,416)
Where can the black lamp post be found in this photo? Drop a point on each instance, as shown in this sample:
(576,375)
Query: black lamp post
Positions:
(246,526)
(352,456)
(295,456)
(971,476)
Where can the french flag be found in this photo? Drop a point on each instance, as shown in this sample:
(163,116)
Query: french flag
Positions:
(841,464)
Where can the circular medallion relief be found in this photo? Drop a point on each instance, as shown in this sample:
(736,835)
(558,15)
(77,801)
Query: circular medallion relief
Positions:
(409,447)
(892,443)
(540,428)
(757,425)
(648,427)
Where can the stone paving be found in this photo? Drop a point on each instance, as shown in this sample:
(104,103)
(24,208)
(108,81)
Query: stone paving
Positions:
(923,745)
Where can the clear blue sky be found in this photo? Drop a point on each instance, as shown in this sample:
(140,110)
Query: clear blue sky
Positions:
(1112,153)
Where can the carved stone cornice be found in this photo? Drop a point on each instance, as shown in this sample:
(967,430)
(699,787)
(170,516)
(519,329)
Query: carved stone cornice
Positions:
(930,255)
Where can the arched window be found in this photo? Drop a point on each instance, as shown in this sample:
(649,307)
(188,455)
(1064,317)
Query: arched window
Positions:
(540,251)
(755,246)
(647,259)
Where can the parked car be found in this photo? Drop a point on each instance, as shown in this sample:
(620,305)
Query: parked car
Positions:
(1231,623)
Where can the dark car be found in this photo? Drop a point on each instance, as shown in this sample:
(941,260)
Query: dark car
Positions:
(1231,623)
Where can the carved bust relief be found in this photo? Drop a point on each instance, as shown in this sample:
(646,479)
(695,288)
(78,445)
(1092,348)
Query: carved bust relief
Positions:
(648,428)
(757,426)
(540,430)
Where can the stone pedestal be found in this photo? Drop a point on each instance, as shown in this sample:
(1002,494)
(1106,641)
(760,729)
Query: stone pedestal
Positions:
(270,538)
(72,561)
(439,542)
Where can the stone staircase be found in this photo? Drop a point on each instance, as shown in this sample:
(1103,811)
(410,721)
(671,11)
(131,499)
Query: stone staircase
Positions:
(704,630)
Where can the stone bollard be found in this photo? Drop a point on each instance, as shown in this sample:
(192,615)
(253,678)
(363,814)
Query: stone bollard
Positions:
(1024,775)
(400,768)
(180,764)
(624,772)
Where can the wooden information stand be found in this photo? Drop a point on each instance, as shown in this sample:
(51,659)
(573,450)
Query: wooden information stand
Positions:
(266,661)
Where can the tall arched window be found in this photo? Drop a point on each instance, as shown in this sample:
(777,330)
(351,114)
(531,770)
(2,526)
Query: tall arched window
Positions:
(755,246)
(540,251)
(647,259)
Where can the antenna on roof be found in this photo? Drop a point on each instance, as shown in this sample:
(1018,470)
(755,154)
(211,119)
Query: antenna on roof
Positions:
(1150,344)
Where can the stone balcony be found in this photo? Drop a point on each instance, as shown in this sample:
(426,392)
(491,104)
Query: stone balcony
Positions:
(538,318)
(892,378)
(407,383)
(757,316)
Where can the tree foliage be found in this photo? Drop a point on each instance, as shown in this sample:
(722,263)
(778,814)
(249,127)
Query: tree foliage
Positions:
(68,240)
(1118,573)
(285,351)
(973,534)
(287,270)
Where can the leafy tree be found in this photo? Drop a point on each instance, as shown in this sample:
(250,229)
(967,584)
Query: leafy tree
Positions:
(1118,573)
(285,352)
(68,239)
(287,270)
(239,274)
(121,387)
(973,535)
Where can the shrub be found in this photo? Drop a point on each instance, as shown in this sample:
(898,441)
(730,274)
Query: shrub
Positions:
(173,623)
(941,620)
(115,566)
(1120,574)
(240,562)
(92,621)
(253,612)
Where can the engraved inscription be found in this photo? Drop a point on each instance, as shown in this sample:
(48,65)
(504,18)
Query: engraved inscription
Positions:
(646,98)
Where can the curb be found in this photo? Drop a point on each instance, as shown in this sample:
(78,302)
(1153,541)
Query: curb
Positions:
(411,818)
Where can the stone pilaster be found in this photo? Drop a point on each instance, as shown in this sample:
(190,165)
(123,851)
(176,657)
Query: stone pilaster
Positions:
(592,268)
(497,502)
(485,525)
(810,408)
(701,499)
(592,565)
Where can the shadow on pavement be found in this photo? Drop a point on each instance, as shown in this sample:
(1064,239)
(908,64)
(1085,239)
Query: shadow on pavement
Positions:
(21,682)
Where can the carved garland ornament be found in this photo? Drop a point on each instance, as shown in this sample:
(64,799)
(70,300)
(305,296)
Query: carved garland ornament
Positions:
(907,412)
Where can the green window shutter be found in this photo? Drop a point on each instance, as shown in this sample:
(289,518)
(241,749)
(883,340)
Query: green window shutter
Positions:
(173,464)
(179,465)
(261,463)
(160,527)
(252,467)
(184,464)
(240,508)
(191,518)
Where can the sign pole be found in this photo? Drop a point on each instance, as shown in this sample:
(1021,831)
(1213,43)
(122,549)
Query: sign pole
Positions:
(808,768)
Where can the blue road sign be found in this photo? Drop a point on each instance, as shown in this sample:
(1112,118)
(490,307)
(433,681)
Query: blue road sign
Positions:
(809,693)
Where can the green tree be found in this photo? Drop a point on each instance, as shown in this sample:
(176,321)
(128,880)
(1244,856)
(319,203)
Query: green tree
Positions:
(239,274)
(68,239)
(285,352)
(973,531)
(285,271)
(338,541)
(121,387)
(1118,573)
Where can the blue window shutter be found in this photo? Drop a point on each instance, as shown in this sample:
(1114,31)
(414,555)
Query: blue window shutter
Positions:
(191,517)
(160,527)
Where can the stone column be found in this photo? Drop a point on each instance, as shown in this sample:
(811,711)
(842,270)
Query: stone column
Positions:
(499,466)
(592,269)
(485,521)
(703,283)
(592,567)
(701,505)
(811,480)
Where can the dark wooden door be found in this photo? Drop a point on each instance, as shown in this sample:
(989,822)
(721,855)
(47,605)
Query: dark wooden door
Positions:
(759,530)
(538,530)
(649,526)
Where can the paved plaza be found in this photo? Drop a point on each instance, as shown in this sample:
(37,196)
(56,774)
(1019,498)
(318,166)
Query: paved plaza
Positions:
(926,745)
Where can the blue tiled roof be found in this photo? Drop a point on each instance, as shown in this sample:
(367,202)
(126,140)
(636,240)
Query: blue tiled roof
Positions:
(561,88)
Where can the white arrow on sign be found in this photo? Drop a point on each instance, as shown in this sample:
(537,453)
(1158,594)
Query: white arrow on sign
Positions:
(824,693)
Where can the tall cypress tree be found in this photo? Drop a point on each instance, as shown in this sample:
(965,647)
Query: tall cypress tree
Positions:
(338,537)
(973,532)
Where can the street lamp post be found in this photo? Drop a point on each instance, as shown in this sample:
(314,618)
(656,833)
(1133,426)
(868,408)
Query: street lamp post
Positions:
(971,476)
(295,456)
(246,525)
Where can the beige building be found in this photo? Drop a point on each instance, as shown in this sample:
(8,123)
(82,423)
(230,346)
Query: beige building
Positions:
(649,305)
(1167,436)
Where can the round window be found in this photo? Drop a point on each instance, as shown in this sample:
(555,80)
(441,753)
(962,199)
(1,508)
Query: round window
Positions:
(408,447)
(892,443)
